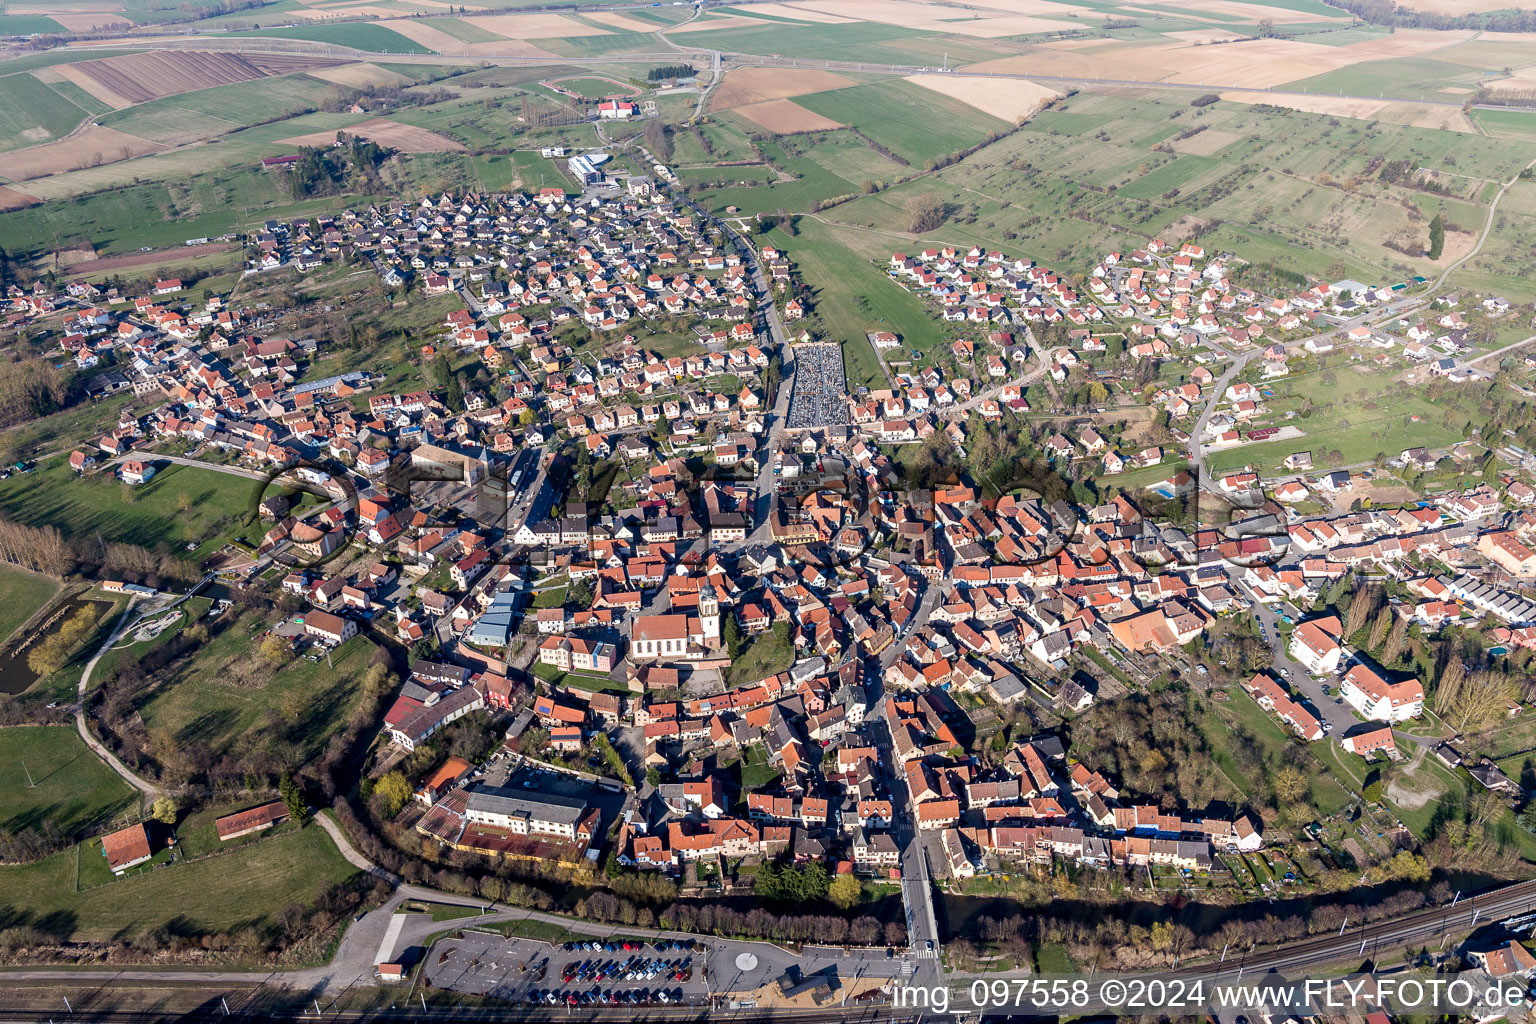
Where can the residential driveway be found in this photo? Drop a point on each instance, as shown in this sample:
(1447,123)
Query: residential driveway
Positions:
(1328,710)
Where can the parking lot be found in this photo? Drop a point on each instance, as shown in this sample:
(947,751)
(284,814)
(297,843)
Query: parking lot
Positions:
(820,395)
(590,973)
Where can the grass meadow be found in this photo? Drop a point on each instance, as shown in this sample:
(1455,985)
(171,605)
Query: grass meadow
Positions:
(32,112)
(225,696)
(216,506)
(247,885)
(22,593)
(47,773)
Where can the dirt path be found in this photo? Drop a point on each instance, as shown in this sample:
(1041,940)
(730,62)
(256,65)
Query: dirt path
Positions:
(150,791)
(1493,209)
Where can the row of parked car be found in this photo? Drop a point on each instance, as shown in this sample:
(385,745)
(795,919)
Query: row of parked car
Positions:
(633,946)
(612,997)
(635,968)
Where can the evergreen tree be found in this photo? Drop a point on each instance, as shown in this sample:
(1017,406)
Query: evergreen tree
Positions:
(732,636)
(1436,237)
(439,373)
(289,791)
(1379,628)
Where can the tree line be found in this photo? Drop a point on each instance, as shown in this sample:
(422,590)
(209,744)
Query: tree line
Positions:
(670,71)
(46,550)
(1109,937)
(1392,14)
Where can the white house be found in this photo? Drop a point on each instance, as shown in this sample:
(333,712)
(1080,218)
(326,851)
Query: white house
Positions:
(1379,700)
(1315,647)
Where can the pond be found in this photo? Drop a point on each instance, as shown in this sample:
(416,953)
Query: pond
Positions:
(15,676)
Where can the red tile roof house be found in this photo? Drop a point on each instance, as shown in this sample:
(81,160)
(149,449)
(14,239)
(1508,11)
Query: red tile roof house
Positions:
(126,848)
(1366,740)
(254,819)
(1511,958)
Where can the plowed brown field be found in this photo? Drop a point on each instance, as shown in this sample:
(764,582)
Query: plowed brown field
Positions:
(754,85)
(140,77)
(404,137)
(10,199)
(786,117)
(90,147)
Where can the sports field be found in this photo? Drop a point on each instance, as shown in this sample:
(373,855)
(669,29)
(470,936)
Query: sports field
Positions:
(47,774)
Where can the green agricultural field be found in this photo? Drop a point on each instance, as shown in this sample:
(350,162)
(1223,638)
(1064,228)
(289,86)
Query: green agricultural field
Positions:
(216,506)
(21,594)
(48,774)
(273,98)
(598,46)
(851,297)
(226,695)
(79,97)
(1507,123)
(250,884)
(168,123)
(31,112)
(29,25)
(852,41)
(915,123)
(1407,78)
(146,12)
(467,31)
(53,58)
(488,119)
(279,12)
(359,35)
(500,77)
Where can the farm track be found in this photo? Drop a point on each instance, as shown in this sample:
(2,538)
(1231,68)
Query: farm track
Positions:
(1493,209)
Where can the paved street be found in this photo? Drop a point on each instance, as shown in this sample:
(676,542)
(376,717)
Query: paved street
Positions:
(1336,716)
